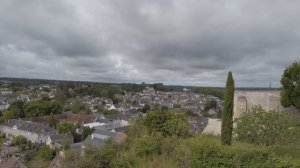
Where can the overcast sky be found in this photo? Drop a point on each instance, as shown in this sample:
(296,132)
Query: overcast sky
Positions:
(187,42)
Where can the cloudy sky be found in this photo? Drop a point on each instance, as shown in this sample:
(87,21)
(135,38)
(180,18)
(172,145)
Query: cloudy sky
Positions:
(187,42)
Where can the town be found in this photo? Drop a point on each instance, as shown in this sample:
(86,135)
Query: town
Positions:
(74,120)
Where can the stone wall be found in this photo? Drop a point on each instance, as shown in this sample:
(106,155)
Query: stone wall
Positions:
(213,126)
(244,100)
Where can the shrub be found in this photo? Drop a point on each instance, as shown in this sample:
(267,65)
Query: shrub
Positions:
(261,127)
(148,146)
(46,153)
(19,140)
(203,152)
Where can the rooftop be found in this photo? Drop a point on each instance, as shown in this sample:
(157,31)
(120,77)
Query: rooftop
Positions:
(29,126)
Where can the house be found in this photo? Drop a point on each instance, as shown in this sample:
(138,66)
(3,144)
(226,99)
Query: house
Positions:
(94,124)
(100,136)
(3,106)
(34,132)
(5,91)
(112,107)
(97,138)
(59,140)
(24,98)
(119,119)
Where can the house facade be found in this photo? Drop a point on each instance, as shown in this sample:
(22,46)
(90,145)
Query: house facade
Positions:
(34,132)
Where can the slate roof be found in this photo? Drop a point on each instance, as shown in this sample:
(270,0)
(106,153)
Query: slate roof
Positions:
(121,129)
(62,138)
(116,117)
(106,133)
(95,142)
(30,126)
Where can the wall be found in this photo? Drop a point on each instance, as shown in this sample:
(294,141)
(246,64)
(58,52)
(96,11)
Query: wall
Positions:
(33,137)
(244,100)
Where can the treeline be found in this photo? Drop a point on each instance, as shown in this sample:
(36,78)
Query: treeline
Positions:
(215,91)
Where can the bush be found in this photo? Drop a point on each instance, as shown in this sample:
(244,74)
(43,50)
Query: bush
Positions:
(45,153)
(262,127)
(19,140)
(167,123)
(148,146)
(108,112)
(204,152)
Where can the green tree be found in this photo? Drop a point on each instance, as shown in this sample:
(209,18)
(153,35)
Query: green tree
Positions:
(45,153)
(264,127)
(76,107)
(290,81)
(227,113)
(8,115)
(86,131)
(177,126)
(19,140)
(146,108)
(17,108)
(66,127)
(210,105)
(52,122)
(41,107)
(166,123)
(60,96)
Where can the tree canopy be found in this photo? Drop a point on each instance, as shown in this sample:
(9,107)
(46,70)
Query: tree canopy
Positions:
(290,91)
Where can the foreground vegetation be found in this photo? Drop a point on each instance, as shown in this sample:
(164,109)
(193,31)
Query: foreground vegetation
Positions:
(152,143)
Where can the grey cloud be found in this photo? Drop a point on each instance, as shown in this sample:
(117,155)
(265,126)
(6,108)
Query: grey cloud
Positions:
(188,42)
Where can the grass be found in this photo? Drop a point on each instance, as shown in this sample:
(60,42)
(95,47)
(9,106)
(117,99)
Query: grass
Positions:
(38,162)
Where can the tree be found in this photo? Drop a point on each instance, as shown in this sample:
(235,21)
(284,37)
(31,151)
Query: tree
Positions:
(267,128)
(146,108)
(86,131)
(60,96)
(76,106)
(66,127)
(17,108)
(167,123)
(8,115)
(290,91)
(52,122)
(45,153)
(19,140)
(211,104)
(227,113)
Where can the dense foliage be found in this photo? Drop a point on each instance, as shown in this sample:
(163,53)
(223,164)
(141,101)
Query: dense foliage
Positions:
(41,108)
(108,112)
(267,128)
(78,107)
(46,153)
(166,123)
(218,92)
(290,91)
(211,104)
(78,132)
(227,113)
(20,109)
